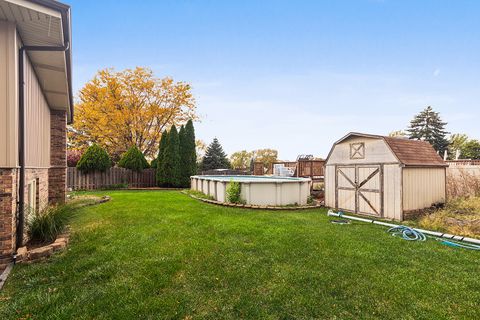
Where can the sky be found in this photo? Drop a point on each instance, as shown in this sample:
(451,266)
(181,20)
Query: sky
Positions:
(294,75)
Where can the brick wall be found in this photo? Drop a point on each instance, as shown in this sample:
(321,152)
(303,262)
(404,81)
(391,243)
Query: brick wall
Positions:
(50,186)
(57,175)
(8,192)
(41,178)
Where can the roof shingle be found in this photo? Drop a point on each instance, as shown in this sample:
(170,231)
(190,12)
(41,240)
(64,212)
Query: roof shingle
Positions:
(414,152)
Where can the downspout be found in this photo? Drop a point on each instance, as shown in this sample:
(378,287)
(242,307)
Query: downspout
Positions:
(21,133)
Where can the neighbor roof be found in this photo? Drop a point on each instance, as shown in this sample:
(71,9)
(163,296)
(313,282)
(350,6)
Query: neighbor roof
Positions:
(46,23)
(408,152)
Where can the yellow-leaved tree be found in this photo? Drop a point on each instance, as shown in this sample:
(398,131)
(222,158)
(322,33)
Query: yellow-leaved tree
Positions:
(131,107)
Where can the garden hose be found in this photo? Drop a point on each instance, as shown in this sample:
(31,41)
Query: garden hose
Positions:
(459,245)
(407,233)
(415,234)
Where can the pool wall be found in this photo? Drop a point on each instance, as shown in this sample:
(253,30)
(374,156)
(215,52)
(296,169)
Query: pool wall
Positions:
(263,192)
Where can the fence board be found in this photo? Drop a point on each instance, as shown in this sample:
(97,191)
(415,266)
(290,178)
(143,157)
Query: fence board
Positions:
(454,163)
(76,180)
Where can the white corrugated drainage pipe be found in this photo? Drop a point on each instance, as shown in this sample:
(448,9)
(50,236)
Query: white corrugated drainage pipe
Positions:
(391,225)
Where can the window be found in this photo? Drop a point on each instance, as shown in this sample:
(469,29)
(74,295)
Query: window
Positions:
(32,195)
(357,150)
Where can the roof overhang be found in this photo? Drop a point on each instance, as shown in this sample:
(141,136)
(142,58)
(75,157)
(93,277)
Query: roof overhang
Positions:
(46,23)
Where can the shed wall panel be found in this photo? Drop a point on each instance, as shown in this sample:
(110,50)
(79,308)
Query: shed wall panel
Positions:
(422,187)
(330,186)
(392,192)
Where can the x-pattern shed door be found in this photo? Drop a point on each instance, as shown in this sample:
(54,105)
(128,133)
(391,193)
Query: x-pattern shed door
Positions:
(359,189)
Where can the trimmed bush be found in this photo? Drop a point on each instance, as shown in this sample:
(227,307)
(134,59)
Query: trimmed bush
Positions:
(188,155)
(133,159)
(73,156)
(184,158)
(154,163)
(46,225)
(161,177)
(171,159)
(94,159)
(233,192)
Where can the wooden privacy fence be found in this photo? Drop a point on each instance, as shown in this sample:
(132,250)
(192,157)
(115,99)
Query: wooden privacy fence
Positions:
(76,180)
(314,169)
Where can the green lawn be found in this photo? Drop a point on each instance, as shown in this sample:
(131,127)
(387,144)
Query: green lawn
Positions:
(163,255)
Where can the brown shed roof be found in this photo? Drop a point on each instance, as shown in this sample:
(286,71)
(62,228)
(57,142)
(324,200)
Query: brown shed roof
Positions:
(408,152)
(414,152)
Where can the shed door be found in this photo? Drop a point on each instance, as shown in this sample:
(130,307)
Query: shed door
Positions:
(359,189)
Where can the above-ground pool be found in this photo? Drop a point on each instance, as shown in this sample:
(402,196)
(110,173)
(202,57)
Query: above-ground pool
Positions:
(256,190)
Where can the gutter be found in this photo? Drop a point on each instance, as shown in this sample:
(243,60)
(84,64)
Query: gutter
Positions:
(67,34)
(66,30)
(21,132)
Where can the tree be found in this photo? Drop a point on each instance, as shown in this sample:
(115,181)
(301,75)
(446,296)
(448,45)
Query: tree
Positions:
(471,150)
(428,126)
(94,159)
(457,142)
(398,134)
(266,156)
(131,107)
(133,159)
(241,159)
(171,159)
(183,150)
(154,163)
(190,154)
(215,157)
(161,176)
(200,148)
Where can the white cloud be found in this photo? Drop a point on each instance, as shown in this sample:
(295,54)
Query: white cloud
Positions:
(436,72)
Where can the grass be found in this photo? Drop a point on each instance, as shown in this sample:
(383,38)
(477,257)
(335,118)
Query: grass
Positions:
(163,255)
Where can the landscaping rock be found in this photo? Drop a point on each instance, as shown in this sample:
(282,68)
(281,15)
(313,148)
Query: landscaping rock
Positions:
(22,251)
(40,253)
(104,199)
(26,256)
(62,239)
(57,246)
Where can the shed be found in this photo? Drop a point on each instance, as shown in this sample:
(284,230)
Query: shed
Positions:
(383,176)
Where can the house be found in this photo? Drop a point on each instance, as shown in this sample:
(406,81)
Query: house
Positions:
(383,176)
(36,104)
